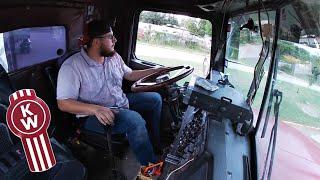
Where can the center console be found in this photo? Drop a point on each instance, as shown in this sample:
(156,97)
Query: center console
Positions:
(213,141)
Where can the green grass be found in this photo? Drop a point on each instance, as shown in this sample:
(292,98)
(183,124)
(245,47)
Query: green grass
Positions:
(242,81)
(293,95)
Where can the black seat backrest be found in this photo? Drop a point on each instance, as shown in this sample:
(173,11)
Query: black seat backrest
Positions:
(5,140)
(5,87)
(64,123)
(66,56)
(52,72)
(3,111)
(5,90)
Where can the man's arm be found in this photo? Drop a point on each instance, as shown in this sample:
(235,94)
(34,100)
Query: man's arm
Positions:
(138,74)
(68,86)
(104,115)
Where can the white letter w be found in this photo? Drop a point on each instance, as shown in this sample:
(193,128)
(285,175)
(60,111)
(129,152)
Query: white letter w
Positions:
(30,121)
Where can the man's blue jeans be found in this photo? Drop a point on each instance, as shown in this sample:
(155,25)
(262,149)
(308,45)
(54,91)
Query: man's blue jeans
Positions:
(129,121)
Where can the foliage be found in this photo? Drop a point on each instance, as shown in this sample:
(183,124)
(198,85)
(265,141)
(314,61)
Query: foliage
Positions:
(286,68)
(158,18)
(201,28)
(315,60)
(290,59)
(234,53)
(191,44)
(171,40)
(248,37)
(191,25)
(287,49)
(315,72)
(207,26)
(171,20)
(203,24)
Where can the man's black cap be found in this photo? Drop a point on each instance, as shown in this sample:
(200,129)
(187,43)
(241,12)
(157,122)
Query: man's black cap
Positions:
(98,28)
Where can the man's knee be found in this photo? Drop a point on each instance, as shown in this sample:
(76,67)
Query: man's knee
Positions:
(137,127)
(156,98)
(134,120)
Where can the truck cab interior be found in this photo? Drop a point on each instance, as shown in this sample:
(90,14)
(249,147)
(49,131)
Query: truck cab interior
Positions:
(240,101)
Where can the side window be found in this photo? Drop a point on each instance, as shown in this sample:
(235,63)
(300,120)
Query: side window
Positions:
(173,40)
(25,47)
(243,51)
(298,73)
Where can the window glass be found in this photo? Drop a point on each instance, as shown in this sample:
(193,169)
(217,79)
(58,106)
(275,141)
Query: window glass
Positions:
(299,69)
(25,47)
(297,77)
(243,51)
(173,40)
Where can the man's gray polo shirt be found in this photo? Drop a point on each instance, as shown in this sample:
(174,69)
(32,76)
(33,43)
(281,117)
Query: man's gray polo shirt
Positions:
(83,79)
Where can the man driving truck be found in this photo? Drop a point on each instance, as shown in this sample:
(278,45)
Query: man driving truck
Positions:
(90,83)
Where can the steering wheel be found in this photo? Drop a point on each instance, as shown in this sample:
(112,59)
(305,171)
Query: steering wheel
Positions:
(161,79)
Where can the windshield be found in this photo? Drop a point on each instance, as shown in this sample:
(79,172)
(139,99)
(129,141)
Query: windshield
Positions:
(172,40)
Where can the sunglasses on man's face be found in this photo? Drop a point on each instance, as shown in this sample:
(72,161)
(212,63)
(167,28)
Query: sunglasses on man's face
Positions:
(108,36)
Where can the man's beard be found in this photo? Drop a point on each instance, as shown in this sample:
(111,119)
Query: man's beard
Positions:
(105,53)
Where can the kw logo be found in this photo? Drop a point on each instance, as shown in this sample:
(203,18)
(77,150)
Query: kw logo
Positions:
(30,122)
(28,117)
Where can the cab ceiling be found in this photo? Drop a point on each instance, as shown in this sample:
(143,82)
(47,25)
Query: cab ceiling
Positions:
(21,13)
(206,5)
(35,16)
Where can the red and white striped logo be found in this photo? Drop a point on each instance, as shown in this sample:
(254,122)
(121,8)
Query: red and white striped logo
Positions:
(28,117)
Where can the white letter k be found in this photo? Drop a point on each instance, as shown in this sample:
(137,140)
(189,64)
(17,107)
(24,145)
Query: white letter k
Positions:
(25,110)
